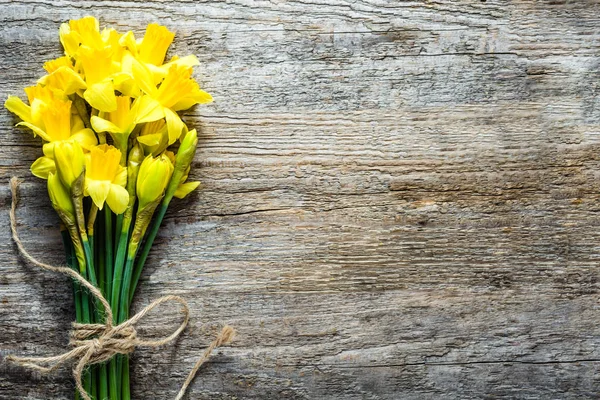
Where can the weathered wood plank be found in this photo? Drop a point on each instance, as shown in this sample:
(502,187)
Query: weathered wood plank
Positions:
(399,201)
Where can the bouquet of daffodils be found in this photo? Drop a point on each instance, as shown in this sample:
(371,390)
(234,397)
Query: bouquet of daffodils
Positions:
(115,153)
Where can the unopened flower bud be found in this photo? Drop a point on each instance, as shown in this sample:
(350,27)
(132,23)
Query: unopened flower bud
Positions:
(153,177)
(70,162)
(60,197)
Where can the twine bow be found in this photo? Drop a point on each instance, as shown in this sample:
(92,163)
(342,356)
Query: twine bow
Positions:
(96,343)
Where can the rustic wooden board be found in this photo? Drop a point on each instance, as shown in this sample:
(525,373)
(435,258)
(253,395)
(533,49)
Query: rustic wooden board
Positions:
(400,201)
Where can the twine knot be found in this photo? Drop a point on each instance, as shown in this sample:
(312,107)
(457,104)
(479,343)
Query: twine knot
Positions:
(97,343)
(103,342)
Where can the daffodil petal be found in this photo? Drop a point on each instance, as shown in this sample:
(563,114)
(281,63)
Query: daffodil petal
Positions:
(186,188)
(152,139)
(117,199)
(35,129)
(146,109)
(128,41)
(103,125)
(68,40)
(98,191)
(37,109)
(65,79)
(16,106)
(174,125)
(76,123)
(42,167)
(199,97)
(48,149)
(143,77)
(102,96)
(187,61)
(86,138)
(121,177)
(120,77)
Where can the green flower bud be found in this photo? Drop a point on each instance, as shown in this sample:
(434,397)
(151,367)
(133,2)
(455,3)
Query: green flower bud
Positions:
(187,150)
(134,161)
(183,160)
(153,177)
(70,162)
(60,198)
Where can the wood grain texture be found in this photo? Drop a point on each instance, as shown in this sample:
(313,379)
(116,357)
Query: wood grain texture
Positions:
(400,201)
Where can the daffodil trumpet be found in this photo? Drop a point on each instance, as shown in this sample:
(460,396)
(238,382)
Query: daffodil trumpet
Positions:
(115,152)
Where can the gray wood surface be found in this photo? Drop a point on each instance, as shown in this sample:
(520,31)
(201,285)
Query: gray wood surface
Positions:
(400,201)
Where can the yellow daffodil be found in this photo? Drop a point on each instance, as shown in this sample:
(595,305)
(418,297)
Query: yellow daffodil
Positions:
(38,97)
(121,122)
(105,178)
(178,91)
(153,177)
(50,117)
(56,119)
(84,31)
(16,106)
(98,55)
(98,69)
(62,76)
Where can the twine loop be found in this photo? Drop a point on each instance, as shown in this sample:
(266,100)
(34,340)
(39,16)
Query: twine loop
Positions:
(97,343)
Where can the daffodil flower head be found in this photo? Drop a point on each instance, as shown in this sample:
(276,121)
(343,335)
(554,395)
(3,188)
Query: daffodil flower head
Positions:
(153,178)
(178,91)
(70,162)
(83,31)
(51,119)
(105,178)
(39,98)
(121,122)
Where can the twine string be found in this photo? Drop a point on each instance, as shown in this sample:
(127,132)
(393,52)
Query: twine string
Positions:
(97,343)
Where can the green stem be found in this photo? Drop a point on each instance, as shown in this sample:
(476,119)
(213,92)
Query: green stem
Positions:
(100,262)
(160,215)
(114,378)
(84,299)
(118,269)
(116,365)
(72,263)
(142,220)
(91,275)
(108,246)
(125,391)
(96,317)
(118,228)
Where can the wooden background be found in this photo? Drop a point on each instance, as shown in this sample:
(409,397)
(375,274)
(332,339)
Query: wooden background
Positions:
(400,201)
